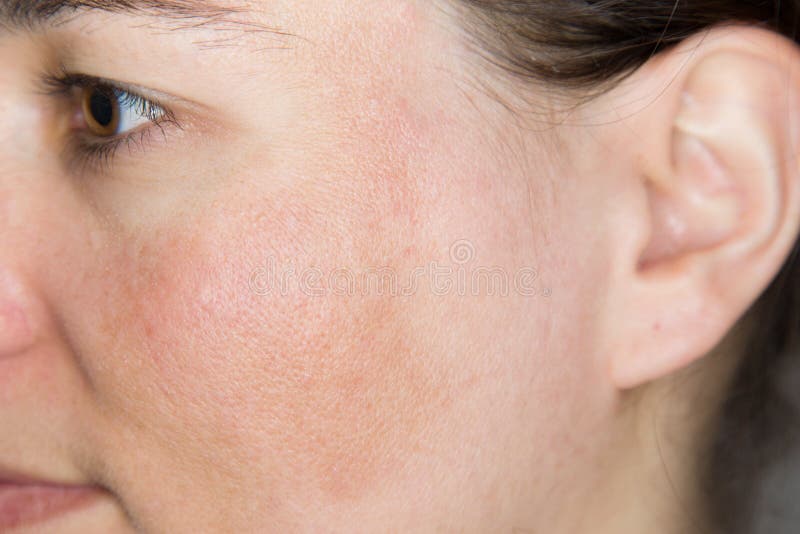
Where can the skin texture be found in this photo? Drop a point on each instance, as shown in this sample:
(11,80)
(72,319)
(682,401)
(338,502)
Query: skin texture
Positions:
(141,354)
(205,406)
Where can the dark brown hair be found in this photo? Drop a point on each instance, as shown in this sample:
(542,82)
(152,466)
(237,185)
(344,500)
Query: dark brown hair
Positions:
(584,47)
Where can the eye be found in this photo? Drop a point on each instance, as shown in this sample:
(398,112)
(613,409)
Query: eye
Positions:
(108,111)
(104,115)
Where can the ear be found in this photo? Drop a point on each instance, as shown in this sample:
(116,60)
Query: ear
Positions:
(712,200)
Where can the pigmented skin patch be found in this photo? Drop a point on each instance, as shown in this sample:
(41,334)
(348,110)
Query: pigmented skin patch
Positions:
(331,395)
(307,399)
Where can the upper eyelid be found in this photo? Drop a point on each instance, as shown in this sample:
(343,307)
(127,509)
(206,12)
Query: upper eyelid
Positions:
(60,76)
(67,80)
(192,114)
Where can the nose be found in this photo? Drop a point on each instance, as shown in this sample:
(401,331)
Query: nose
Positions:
(17,333)
(20,317)
(20,309)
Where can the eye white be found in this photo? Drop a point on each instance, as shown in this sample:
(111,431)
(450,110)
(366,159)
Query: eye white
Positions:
(134,113)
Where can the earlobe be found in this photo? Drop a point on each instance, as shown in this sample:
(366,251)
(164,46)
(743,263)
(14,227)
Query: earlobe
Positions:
(722,204)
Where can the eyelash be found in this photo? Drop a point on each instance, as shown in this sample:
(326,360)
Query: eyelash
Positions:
(85,151)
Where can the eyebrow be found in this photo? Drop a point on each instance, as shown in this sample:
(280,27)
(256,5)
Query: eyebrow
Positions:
(28,14)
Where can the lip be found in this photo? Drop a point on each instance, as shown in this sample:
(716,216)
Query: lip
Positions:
(25,501)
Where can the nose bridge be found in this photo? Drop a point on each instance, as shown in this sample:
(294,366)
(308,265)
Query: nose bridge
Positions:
(18,191)
(20,104)
(22,132)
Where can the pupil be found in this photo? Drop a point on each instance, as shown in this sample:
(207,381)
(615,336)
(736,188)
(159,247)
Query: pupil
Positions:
(102,108)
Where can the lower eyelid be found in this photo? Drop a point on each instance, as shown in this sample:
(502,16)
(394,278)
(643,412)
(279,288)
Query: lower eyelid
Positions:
(87,153)
(84,155)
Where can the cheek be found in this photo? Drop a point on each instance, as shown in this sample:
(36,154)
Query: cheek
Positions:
(325,394)
(319,398)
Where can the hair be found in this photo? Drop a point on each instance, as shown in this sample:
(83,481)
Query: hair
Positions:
(585,47)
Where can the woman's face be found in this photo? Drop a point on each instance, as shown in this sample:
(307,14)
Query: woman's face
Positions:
(328,288)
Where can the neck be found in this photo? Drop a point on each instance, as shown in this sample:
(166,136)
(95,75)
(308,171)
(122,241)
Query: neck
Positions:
(650,478)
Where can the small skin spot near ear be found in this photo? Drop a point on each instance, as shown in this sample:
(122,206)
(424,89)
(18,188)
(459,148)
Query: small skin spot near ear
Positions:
(657,326)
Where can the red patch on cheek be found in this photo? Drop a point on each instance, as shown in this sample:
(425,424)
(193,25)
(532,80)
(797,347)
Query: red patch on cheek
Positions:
(331,394)
(324,397)
(146,311)
(362,415)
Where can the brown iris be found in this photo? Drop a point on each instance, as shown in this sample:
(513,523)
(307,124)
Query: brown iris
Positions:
(101,110)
